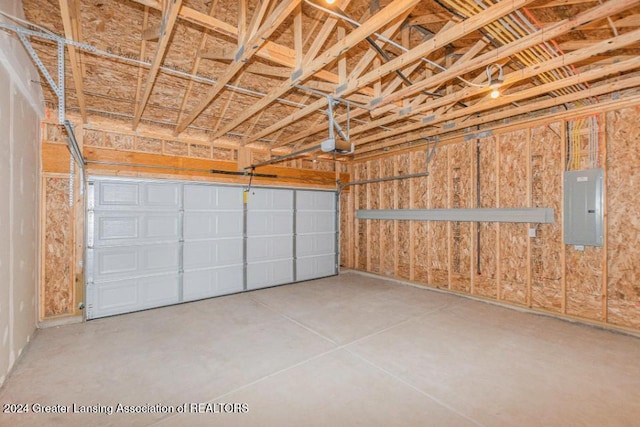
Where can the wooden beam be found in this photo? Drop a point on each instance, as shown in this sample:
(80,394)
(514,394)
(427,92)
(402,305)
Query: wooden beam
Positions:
(218,53)
(541,36)
(443,39)
(196,63)
(271,51)
(392,11)
(501,115)
(269,71)
(560,3)
(143,47)
(486,59)
(342,62)
(297,37)
(577,44)
(431,18)
(168,21)
(616,42)
(69,9)
(630,100)
(322,102)
(324,33)
(242,21)
(457,31)
(257,18)
(245,52)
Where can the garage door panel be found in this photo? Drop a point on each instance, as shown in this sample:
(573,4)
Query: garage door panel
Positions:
(161,195)
(269,248)
(118,228)
(212,282)
(205,197)
(316,266)
(315,200)
(113,228)
(315,244)
(269,223)
(212,253)
(315,222)
(161,227)
(270,199)
(229,198)
(198,225)
(124,296)
(117,194)
(263,274)
(141,260)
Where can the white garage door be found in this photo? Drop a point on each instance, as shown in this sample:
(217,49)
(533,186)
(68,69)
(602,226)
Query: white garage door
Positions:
(269,237)
(315,234)
(213,244)
(134,246)
(156,243)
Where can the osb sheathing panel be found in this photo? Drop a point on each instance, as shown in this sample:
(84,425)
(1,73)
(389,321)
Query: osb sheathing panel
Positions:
(460,196)
(58,283)
(374,225)
(513,193)
(130,142)
(403,188)
(584,282)
(420,228)
(486,282)
(438,230)
(623,194)
(387,230)
(546,247)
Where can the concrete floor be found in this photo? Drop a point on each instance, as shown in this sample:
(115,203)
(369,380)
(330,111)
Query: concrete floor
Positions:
(349,350)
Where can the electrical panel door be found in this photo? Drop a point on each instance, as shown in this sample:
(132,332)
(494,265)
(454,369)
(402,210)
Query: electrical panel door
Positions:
(583,212)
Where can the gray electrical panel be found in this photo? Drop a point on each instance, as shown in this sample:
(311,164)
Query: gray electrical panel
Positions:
(583,213)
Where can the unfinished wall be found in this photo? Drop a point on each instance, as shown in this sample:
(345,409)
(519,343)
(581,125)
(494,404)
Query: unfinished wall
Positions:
(517,168)
(19,136)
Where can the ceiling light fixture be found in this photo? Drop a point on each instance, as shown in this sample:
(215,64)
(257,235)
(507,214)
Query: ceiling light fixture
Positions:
(495,83)
(330,1)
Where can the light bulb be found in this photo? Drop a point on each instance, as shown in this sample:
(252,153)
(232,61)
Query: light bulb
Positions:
(495,93)
(330,1)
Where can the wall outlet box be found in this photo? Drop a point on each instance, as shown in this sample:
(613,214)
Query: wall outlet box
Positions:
(532,232)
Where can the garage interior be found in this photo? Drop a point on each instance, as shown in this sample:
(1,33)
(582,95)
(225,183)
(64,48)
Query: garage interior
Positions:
(376,212)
